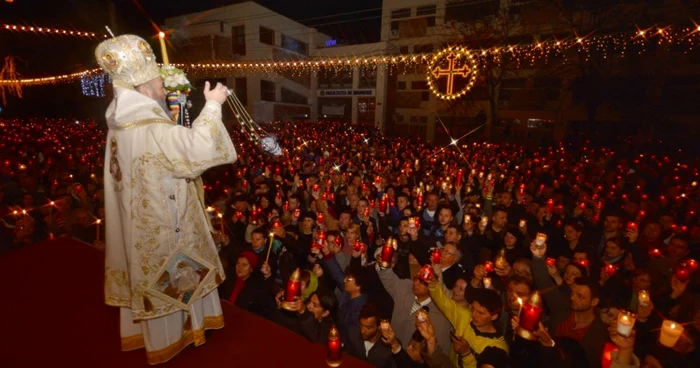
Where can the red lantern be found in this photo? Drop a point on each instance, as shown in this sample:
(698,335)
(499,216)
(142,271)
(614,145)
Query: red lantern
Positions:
(435,256)
(387,254)
(551,262)
(426,273)
(530,315)
(334,357)
(293,289)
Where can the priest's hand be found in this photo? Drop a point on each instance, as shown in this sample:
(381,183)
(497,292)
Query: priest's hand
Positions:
(218,93)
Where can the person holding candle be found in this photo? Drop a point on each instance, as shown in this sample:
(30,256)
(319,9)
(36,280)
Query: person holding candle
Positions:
(246,288)
(409,296)
(352,298)
(474,326)
(365,342)
(449,270)
(154,202)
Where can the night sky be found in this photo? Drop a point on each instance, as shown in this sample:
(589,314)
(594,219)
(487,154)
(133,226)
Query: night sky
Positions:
(45,55)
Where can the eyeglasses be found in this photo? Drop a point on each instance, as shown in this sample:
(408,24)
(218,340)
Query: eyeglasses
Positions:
(349,279)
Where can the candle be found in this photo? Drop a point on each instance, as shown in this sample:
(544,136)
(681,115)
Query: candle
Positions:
(551,262)
(682,273)
(385,325)
(606,359)
(334,357)
(98,229)
(643,298)
(530,315)
(422,315)
(488,266)
(383,204)
(221,221)
(487,282)
(387,253)
(293,289)
(523,223)
(670,332)
(319,218)
(540,239)
(501,261)
(610,270)
(625,323)
(435,256)
(460,176)
(426,273)
(163,49)
(484,219)
(655,253)
(357,247)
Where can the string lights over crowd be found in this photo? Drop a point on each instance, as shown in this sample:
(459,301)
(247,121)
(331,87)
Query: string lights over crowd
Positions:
(541,51)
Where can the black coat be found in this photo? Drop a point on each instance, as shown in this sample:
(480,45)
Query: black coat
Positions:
(255,297)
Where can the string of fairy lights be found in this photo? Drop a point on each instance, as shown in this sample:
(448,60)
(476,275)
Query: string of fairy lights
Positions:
(50,31)
(621,44)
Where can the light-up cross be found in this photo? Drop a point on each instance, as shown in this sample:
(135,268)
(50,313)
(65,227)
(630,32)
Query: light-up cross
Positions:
(451,73)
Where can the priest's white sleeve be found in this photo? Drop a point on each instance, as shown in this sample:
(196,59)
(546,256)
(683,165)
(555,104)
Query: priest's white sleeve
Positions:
(188,152)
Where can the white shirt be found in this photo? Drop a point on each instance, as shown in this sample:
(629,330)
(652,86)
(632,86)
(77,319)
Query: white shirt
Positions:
(368,347)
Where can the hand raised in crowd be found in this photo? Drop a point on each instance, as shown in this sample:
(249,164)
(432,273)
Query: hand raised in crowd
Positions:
(219,93)
(544,336)
(480,272)
(460,345)
(389,336)
(428,332)
(503,270)
(632,234)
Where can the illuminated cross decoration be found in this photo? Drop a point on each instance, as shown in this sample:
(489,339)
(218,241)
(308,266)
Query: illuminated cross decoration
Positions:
(451,73)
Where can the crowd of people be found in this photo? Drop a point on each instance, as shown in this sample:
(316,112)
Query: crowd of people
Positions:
(578,234)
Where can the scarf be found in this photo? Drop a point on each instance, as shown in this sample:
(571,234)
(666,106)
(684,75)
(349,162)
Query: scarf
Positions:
(311,287)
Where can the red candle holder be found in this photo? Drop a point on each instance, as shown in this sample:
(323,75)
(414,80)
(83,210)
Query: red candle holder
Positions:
(692,264)
(436,256)
(426,273)
(319,218)
(655,253)
(682,273)
(530,316)
(293,289)
(460,176)
(488,266)
(387,254)
(610,269)
(335,354)
(551,262)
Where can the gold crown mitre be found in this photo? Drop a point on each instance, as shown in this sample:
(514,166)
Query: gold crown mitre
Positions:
(128,59)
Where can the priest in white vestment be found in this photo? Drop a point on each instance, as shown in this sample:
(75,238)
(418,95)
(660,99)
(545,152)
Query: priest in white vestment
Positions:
(154,203)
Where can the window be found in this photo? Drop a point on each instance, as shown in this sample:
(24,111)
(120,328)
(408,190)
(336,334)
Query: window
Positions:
(424,119)
(267,36)
(401,13)
(292,44)
(539,123)
(419,85)
(242,90)
(425,96)
(398,118)
(267,91)
(290,96)
(395,28)
(238,40)
(401,85)
(426,10)
(415,119)
(430,22)
(423,49)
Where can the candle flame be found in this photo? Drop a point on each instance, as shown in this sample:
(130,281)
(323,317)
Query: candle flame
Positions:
(53,203)
(219,215)
(673,326)
(161,34)
(520,301)
(99,221)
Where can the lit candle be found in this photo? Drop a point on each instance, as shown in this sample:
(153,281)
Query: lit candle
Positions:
(487,282)
(435,256)
(484,220)
(523,223)
(387,253)
(692,264)
(334,357)
(426,273)
(625,323)
(540,239)
(460,177)
(610,270)
(682,273)
(293,289)
(221,221)
(488,266)
(670,332)
(383,204)
(551,262)
(608,349)
(643,298)
(422,315)
(98,229)
(163,49)
(530,315)
(385,325)
(501,261)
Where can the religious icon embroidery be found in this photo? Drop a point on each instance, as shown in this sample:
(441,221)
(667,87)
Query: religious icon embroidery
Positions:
(114,162)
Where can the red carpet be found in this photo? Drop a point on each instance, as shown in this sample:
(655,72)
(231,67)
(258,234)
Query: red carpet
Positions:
(52,315)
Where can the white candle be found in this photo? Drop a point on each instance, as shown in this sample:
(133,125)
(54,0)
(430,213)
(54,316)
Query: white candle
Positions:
(625,323)
(163,49)
(487,282)
(670,332)
(643,298)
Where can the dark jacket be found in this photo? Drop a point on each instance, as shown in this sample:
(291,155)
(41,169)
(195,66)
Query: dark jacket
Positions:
(379,355)
(255,296)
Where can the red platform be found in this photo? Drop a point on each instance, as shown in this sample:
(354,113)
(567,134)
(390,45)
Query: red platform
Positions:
(52,315)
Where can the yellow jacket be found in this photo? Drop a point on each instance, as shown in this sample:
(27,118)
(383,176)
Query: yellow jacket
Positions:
(461,320)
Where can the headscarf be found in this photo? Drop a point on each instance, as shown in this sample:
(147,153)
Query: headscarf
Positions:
(240,283)
(311,287)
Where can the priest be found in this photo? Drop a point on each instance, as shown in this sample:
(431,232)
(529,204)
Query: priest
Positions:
(156,224)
